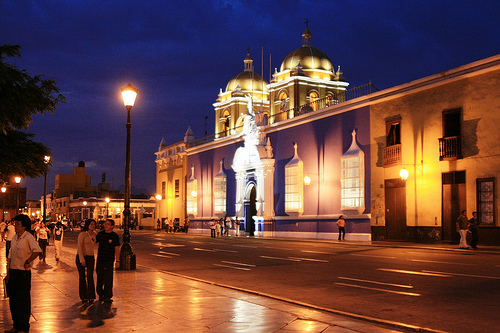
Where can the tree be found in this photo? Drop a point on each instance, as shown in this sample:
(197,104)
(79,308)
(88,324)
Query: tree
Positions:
(22,96)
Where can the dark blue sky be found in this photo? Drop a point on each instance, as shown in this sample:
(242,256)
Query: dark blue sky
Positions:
(180,53)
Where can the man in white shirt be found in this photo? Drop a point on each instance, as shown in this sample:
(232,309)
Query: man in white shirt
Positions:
(10,231)
(24,249)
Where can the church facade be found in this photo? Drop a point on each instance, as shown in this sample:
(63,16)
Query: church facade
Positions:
(290,156)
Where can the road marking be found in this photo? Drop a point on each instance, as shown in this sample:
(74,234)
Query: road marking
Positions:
(206,250)
(370,255)
(467,275)
(196,242)
(168,244)
(238,263)
(318,252)
(289,259)
(241,268)
(442,262)
(309,259)
(173,254)
(160,255)
(378,289)
(249,246)
(377,282)
(414,272)
(214,250)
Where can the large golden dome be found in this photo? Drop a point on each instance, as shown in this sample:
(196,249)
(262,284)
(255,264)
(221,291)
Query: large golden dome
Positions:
(310,59)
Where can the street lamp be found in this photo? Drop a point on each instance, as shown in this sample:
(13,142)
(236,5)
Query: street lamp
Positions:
(46,160)
(18,180)
(158,198)
(107,207)
(84,210)
(127,257)
(4,189)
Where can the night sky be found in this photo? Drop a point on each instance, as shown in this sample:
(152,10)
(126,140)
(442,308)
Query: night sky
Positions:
(180,53)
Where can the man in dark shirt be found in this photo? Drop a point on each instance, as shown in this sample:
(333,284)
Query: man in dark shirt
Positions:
(474,229)
(109,249)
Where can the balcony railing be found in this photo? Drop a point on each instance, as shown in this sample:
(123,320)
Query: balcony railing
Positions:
(303,109)
(450,148)
(391,155)
(324,102)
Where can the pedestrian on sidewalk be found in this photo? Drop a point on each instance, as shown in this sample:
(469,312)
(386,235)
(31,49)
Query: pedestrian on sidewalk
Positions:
(24,250)
(237,227)
(186,224)
(158,225)
(462,228)
(107,254)
(341,225)
(9,234)
(58,238)
(228,225)
(474,229)
(3,226)
(85,261)
(212,228)
(42,232)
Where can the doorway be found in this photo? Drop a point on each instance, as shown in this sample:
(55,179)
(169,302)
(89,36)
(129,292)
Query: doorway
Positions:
(454,201)
(250,211)
(395,209)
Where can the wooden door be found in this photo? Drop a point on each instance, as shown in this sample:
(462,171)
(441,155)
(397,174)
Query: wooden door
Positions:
(395,209)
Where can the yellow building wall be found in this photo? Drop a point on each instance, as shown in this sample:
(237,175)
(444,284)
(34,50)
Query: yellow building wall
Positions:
(478,96)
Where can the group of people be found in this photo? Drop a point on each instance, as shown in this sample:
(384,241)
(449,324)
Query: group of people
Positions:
(172,226)
(221,227)
(23,248)
(465,226)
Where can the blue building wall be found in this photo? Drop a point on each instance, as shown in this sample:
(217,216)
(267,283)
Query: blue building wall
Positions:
(321,143)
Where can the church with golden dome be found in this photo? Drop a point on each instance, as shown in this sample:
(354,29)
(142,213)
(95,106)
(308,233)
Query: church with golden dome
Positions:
(288,157)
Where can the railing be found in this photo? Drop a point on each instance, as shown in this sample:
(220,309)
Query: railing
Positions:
(391,155)
(324,102)
(450,148)
(316,105)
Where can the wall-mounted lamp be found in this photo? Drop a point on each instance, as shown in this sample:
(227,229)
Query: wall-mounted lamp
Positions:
(307,180)
(194,194)
(158,197)
(403,173)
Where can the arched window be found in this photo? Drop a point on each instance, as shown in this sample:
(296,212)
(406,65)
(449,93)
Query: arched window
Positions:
(313,100)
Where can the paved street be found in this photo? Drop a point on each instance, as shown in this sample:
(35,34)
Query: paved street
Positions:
(148,300)
(326,285)
(428,288)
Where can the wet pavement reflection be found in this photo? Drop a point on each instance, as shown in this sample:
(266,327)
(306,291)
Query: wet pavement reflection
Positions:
(148,300)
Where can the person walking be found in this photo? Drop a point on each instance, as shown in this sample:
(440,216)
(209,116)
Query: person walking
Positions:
(3,226)
(187,222)
(107,254)
(158,225)
(341,225)
(85,261)
(228,226)
(24,250)
(58,238)
(462,227)
(237,227)
(42,232)
(9,234)
(212,228)
(474,229)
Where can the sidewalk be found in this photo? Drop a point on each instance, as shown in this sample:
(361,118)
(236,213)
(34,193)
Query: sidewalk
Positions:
(147,300)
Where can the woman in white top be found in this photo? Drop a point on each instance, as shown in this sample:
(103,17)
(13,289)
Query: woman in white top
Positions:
(42,234)
(85,261)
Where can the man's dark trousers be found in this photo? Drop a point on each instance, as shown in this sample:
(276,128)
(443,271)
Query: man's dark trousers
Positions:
(20,298)
(104,269)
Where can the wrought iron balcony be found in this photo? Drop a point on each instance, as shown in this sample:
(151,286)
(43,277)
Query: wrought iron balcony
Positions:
(391,155)
(450,148)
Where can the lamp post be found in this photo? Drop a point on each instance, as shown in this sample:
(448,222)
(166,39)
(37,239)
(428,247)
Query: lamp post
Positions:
(18,180)
(107,207)
(84,210)
(127,257)
(46,160)
(158,197)
(4,189)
